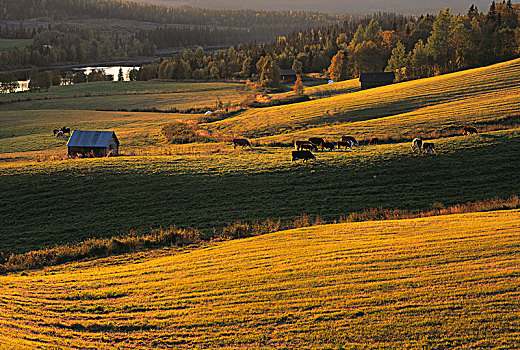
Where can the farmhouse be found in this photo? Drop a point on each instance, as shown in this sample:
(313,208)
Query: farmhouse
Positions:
(96,143)
(287,75)
(372,80)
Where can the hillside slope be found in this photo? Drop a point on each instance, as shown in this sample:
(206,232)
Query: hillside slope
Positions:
(475,84)
(439,282)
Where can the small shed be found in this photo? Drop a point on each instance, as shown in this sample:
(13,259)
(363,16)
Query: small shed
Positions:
(287,75)
(96,143)
(372,80)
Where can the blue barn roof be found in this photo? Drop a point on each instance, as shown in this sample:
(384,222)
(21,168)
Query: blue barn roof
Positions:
(81,138)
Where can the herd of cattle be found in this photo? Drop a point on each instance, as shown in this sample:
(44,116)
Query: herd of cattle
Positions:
(304,148)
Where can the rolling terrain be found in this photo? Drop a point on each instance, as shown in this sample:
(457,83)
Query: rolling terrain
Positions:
(208,185)
(435,283)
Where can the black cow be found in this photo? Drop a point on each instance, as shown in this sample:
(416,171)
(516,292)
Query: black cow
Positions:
(469,130)
(303,155)
(416,145)
(318,141)
(344,144)
(65,130)
(242,142)
(328,145)
(299,143)
(350,138)
(55,131)
(429,147)
(373,141)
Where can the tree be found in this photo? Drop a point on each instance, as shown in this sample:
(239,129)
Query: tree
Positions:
(120,76)
(34,81)
(270,76)
(298,87)
(297,66)
(338,69)
(45,80)
(441,43)
(397,62)
(246,68)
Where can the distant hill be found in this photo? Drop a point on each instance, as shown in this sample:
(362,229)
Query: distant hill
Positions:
(334,6)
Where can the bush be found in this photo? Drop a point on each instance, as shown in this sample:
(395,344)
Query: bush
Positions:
(179,132)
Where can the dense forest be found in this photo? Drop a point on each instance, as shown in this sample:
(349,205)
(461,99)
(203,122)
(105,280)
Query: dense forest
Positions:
(411,47)
(65,42)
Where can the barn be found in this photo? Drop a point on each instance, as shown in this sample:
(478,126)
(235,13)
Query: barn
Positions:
(372,80)
(95,143)
(287,75)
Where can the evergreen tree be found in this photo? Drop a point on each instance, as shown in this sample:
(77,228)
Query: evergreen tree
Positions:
(397,62)
(120,76)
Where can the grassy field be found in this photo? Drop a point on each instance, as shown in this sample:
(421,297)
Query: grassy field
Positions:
(125,95)
(59,202)
(476,84)
(8,44)
(448,282)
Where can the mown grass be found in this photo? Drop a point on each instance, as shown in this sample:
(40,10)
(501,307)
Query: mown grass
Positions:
(60,202)
(492,82)
(126,95)
(431,283)
(9,44)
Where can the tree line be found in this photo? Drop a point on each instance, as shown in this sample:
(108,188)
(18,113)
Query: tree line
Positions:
(412,47)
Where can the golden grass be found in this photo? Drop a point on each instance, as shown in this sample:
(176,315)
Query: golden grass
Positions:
(481,84)
(439,282)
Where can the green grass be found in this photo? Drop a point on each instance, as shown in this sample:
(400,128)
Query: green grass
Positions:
(9,44)
(448,282)
(125,95)
(59,202)
(482,83)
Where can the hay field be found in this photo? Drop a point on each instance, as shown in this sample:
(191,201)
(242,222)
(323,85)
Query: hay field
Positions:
(407,97)
(432,283)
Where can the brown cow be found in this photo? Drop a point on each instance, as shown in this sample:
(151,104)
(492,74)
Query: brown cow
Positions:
(318,141)
(298,144)
(469,130)
(328,145)
(242,142)
(429,147)
(345,144)
(350,138)
(373,141)
(310,147)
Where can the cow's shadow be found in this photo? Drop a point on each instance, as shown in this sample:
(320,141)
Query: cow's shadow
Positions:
(489,136)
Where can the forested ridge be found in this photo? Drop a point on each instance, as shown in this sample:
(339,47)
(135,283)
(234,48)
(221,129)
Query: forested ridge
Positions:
(412,47)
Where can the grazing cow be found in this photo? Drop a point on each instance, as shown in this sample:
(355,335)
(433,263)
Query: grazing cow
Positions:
(65,130)
(416,145)
(242,142)
(318,141)
(298,144)
(328,145)
(373,141)
(304,155)
(428,147)
(469,130)
(55,131)
(310,147)
(350,138)
(59,134)
(345,144)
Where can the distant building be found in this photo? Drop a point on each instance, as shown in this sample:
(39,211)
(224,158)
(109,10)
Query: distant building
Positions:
(287,75)
(372,80)
(93,143)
